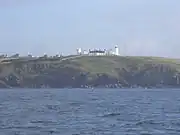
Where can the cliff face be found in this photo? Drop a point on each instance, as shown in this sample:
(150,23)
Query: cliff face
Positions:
(91,72)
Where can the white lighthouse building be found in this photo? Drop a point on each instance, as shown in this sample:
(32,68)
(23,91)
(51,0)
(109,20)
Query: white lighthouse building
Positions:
(116,50)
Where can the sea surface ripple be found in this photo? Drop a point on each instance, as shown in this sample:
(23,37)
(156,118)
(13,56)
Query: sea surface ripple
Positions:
(90,112)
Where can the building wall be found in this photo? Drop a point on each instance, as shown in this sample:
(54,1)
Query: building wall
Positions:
(97,54)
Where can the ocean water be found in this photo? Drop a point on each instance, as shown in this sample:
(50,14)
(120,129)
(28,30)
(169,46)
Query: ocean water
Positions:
(90,112)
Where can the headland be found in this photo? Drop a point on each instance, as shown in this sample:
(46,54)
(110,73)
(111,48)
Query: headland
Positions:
(84,71)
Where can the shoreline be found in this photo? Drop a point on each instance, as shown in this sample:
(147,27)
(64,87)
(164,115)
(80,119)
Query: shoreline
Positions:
(89,72)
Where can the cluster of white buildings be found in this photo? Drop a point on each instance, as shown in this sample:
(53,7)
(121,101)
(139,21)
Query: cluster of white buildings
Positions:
(99,52)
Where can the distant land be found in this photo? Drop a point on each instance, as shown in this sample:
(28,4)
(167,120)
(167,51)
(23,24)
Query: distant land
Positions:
(78,71)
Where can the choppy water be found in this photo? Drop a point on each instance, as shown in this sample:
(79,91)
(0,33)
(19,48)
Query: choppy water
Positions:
(87,112)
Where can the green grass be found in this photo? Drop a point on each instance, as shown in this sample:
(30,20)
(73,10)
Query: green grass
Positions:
(108,64)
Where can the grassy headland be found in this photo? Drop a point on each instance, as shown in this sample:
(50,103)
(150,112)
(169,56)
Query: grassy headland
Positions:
(90,71)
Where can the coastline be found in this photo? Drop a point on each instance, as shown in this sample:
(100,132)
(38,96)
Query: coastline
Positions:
(90,72)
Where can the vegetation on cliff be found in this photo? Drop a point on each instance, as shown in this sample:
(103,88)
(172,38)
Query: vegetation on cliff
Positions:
(91,71)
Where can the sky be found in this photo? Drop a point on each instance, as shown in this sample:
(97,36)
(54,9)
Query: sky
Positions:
(139,27)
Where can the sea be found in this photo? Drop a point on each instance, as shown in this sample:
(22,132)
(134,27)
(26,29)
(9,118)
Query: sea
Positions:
(90,112)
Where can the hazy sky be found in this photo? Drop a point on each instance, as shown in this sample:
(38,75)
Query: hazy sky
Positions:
(139,27)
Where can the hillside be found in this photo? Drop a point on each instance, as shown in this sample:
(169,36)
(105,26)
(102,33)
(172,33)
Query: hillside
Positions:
(91,71)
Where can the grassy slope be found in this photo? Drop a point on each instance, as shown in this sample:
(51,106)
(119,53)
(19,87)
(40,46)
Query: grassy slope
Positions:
(110,64)
(146,69)
(107,64)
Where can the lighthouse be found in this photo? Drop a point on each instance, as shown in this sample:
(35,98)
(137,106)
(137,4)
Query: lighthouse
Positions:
(116,50)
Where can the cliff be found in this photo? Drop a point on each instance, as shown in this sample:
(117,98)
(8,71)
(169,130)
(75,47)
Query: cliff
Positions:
(90,71)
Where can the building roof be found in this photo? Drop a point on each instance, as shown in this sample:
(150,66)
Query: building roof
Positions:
(97,51)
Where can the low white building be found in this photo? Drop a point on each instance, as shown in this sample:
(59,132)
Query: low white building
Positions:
(99,52)
(85,52)
(79,51)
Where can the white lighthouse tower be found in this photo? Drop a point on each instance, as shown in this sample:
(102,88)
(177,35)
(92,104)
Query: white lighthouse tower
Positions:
(116,50)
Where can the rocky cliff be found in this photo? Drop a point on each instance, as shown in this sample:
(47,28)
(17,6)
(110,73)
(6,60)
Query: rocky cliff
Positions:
(86,71)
